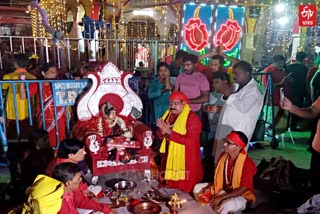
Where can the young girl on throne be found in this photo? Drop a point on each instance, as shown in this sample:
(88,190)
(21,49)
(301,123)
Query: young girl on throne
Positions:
(113,130)
(107,124)
(114,125)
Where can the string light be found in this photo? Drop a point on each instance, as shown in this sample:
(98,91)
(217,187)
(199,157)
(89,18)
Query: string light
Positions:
(177,19)
(315,32)
(155,29)
(34,22)
(165,22)
(114,19)
(56,16)
(140,30)
(132,25)
(145,27)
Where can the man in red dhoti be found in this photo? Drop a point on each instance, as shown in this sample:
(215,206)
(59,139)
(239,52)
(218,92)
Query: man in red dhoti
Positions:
(232,189)
(48,72)
(180,130)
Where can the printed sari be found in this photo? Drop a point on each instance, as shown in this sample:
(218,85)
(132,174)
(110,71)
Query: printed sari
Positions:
(48,115)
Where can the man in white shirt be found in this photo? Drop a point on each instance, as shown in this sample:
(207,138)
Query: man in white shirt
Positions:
(242,106)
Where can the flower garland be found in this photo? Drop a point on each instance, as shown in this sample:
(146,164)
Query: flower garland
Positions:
(100,127)
(226,172)
(123,127)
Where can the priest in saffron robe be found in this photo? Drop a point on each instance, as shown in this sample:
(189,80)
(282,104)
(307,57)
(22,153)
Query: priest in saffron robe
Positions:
(179,128)
(232,189)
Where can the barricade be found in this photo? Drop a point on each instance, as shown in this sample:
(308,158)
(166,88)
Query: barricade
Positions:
(71,52)
(66,92)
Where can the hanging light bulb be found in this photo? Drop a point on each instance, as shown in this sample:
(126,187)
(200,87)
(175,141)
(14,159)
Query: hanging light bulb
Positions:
(279,8)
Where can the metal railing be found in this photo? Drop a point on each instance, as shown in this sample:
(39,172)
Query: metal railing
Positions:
(65,94)
(69,52)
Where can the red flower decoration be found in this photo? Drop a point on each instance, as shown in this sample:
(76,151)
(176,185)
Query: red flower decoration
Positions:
(196,34)
(228,35)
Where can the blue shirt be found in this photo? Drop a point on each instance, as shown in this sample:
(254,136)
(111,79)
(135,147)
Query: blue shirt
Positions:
(160,100)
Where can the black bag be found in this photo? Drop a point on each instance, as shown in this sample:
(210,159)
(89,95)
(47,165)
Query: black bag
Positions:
(259,131)
(281,175)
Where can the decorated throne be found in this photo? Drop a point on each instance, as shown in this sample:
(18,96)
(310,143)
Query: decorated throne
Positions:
(108,152)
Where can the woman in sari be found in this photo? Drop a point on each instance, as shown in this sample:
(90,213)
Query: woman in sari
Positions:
(46,118)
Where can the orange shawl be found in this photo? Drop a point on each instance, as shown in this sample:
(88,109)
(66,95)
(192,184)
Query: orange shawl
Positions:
(236,179)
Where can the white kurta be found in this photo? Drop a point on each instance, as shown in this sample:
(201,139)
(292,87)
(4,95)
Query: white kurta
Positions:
(239,113)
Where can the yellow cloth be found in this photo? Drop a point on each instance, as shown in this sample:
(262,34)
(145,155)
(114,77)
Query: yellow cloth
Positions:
(44,196)
(236,178)
(230,73)
(22,105)
(175,166)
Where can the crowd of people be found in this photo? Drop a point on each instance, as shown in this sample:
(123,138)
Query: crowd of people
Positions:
(41,97)
(228,106)
(193,106)
(59,188)
(52,178)
(203,100)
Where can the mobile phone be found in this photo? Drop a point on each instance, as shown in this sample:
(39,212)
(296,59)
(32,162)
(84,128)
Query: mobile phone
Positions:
(281,95)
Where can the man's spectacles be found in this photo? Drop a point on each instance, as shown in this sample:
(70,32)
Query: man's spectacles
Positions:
(229,142)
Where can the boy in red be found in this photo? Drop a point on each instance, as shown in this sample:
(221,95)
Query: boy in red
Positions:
(70,151)
(70,175)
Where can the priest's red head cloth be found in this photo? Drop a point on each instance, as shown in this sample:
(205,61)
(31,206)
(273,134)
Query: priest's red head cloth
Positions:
(235,138)
(178,95)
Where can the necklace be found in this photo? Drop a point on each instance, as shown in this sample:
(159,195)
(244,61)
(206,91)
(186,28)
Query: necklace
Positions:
(100,127)
(226,177)
(113,123)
